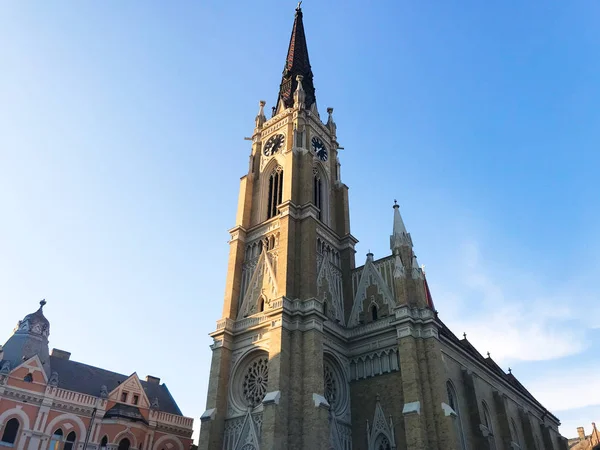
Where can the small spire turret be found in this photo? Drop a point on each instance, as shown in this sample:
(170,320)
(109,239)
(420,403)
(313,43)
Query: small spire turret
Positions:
(400,237)
(260,117)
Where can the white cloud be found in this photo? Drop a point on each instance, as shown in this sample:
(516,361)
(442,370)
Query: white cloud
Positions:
(511,315)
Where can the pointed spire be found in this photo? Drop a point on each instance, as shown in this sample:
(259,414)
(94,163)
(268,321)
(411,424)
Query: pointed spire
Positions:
(399,235)
(260,117)
(330,123)
(296,63)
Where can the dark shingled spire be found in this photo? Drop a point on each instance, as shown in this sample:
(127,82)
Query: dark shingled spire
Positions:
(297,63)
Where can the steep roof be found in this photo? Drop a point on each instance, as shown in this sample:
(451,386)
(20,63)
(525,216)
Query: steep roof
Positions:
(79,377)
(297,63)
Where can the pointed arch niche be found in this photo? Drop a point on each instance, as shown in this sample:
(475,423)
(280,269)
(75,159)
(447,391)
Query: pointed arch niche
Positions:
(321,192)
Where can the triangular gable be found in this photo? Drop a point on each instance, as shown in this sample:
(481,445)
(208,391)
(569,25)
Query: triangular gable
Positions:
(370,275)
(329,273)
(381,427)
(259,285)
(33,364)
(248,439)
(132,386)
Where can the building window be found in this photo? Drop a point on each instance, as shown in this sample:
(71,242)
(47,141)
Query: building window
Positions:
(103,443)
(487,421)
(124,444)
(124,397)
(70,442)
(513,432)
(136,399)
(262,304)
(453,403)
(11,429)
(318,193)
(275,191)
(57,437)
(28,378)
(374,313)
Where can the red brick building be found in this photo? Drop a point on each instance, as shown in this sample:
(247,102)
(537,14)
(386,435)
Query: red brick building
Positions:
(50,402)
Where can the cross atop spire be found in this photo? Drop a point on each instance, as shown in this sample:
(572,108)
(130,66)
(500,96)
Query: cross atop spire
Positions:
(296,63)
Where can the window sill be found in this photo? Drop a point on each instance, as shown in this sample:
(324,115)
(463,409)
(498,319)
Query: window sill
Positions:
(6,444)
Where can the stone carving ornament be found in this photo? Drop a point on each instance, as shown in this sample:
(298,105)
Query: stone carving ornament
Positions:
(255,381)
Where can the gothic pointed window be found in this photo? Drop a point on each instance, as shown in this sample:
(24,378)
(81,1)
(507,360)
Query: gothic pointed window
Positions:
(11,429)
(103,443)
(261,304)
(453,403)
(374,313)
(70,442)
(318,192)
(487,421)
(124,444)
(513,432)
(56,440)
(275,191)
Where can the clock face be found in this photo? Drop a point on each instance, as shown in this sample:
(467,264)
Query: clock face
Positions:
(319,148)
(273,144)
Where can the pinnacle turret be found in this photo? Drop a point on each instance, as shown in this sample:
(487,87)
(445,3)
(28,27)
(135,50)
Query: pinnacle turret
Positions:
(400,237)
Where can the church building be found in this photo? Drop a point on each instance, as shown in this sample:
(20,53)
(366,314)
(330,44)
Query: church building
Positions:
(313,352)
(50,402)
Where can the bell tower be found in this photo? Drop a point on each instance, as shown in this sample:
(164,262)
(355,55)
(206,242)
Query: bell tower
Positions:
(273,384)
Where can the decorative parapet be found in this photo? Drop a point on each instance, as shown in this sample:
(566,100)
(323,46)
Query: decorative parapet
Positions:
(171,419)
(75,398)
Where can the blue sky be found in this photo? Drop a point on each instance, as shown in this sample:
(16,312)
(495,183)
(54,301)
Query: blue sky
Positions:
(121,147)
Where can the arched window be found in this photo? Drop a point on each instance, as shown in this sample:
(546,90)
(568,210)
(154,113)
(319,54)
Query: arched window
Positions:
(382,443)
(28,378)
(11,429)
(262,304)
(487,421)
(374,312)
(325,307)
(275,191)
(513,432)
(318,192)
(124,444)
(57,438)
(70,442)
(103,443)
(453,403)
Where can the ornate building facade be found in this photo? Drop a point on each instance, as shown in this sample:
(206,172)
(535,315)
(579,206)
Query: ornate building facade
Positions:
(313,352)
(50,402)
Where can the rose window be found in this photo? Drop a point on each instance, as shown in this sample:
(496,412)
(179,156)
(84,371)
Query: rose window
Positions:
(331,388)
(255,381)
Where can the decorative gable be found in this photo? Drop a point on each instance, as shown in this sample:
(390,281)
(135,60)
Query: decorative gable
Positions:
(381,435)
(34,367)
(329,282)
(130,392)
(248,439)
(261,288)
(372,292)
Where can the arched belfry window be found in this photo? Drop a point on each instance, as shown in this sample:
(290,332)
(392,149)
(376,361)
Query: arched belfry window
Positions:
(318,192)
(453,403)
(11,429)
(275,191)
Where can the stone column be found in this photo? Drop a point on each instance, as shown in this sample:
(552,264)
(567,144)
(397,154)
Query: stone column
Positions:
(274,430)
(414,425)
(503,420)
(527,429)
(480,442)
(316,409)
(445,426)
(213,419)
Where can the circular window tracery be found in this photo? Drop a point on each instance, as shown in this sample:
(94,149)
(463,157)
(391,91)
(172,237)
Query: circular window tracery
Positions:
(335,386)
(255,381)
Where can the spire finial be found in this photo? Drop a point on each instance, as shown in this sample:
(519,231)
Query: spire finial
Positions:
(488,355)
(298,8)
(464,335)
(42,303)
(509,370)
